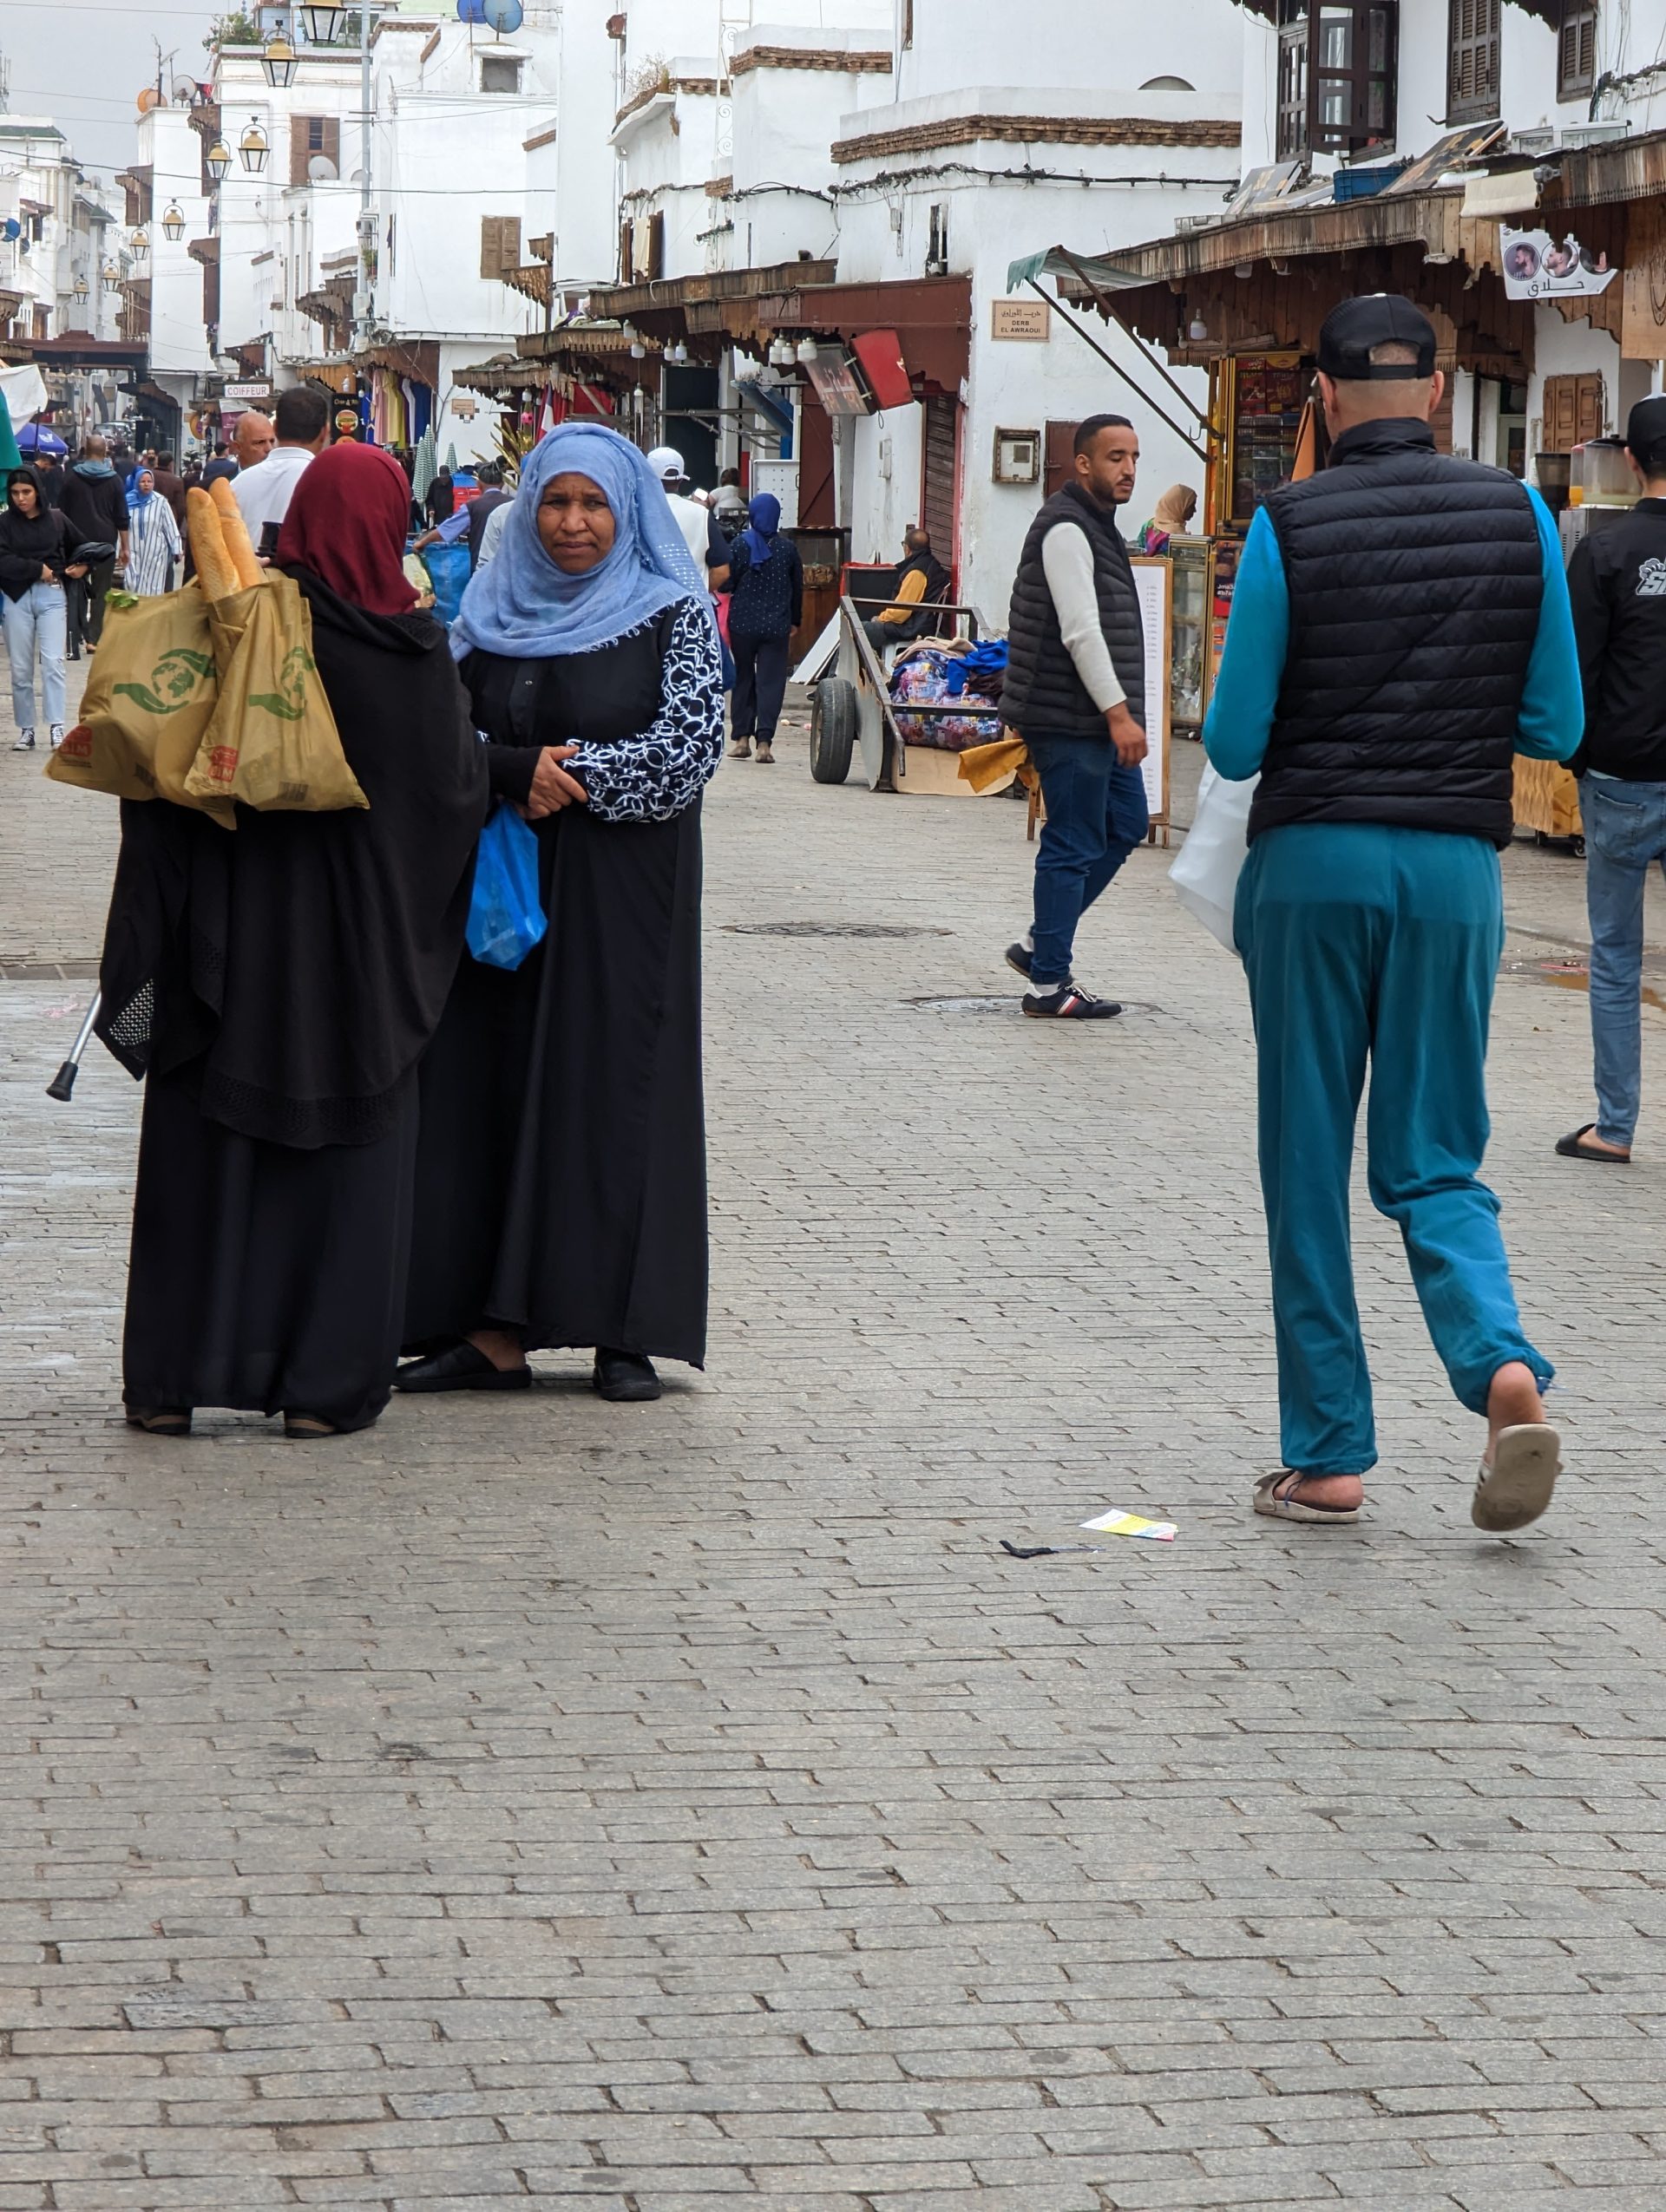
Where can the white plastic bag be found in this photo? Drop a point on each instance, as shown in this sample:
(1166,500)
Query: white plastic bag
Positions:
(1206,875)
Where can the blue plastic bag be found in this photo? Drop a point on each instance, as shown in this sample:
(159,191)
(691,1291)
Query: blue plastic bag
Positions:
(447,571)
(505,918)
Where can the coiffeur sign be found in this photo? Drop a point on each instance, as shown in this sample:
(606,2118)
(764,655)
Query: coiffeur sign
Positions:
(1537,266)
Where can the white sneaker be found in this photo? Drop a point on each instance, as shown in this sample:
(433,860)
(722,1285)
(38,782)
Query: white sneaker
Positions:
(56,735)
(25,742)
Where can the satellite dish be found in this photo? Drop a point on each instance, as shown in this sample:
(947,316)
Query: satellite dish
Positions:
(503,15)
(186,92)
(12,228)
(471,11)
(322,170)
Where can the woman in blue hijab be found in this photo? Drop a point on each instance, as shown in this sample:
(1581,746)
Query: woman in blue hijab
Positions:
(560,1175)
(766,578)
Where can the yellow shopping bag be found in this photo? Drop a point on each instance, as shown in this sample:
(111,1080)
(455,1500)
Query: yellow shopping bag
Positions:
(272,741)
(150,697)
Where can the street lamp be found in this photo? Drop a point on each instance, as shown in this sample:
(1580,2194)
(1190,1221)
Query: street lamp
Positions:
(218,160)
(140,244)
(173,223)
(321,23)
(280,61)
(252,148)
(79,289)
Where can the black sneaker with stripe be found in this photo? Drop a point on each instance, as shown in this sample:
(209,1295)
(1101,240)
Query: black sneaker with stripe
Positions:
(1069,1003)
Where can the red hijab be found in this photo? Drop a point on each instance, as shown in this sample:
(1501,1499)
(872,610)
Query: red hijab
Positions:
(347,524)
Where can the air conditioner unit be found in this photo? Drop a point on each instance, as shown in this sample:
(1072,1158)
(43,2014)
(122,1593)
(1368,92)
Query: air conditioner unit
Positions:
(1538,142)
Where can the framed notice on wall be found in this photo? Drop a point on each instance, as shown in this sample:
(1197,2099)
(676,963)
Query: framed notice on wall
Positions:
(1027,320)
(1153,581)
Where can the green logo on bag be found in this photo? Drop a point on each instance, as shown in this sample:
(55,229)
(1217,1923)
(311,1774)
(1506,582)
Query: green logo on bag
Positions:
(289,704)
(172,681)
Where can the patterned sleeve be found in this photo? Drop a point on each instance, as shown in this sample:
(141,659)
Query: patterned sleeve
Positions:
(659,775)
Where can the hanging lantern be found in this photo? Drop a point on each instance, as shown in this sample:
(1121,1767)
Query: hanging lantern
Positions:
(173,223)
(140,244)
(218,160)
(280,61)
(79,289)
(321,23)
(252,148)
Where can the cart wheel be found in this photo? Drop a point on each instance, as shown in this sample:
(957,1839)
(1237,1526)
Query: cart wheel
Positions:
(1577,846)
(832,729)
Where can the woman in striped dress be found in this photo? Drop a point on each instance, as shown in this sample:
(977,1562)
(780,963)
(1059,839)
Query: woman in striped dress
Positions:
(152,539)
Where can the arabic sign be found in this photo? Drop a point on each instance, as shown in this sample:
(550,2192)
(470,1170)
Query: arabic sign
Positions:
(837,385)
(1537,266)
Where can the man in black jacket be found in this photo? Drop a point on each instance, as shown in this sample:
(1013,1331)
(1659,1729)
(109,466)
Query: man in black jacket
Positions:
(94,509)
(1400,632)
(1075,693)
(1618,581)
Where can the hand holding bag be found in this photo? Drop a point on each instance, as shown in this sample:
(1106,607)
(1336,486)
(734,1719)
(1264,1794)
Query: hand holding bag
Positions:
(1205,875)
(506,915)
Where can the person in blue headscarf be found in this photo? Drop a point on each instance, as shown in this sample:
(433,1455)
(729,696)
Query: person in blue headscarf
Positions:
(560,1173)
(766,578)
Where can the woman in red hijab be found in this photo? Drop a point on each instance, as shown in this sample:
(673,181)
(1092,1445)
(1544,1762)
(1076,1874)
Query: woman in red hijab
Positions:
(276,988)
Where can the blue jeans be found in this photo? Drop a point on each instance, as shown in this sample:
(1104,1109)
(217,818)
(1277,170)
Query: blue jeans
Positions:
(1625,835)
(1364,943)
(1096,815)
(38,620)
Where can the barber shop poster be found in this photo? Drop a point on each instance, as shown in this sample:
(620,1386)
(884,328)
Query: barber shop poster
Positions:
(1538,267)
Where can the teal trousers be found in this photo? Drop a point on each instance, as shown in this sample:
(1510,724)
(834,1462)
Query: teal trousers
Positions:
(1364,944)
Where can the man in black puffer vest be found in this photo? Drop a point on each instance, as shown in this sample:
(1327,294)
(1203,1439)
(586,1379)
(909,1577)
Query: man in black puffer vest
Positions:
(1075,693)
(1400,628)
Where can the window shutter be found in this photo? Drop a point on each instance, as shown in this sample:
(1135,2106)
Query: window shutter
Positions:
(491,250)
(627,267)
(656,246)
(1576,50)
(300,149)
(331,147)
(1472,59)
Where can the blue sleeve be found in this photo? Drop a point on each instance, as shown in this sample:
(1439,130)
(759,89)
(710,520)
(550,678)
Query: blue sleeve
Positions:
(1241,708)
(455,527)
(1552,718)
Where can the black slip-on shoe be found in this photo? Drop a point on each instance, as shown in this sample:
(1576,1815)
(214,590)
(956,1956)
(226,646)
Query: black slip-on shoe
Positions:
(1070,1003)
(1018,956)
(1573,1146)
(464,1367)
(624,1377)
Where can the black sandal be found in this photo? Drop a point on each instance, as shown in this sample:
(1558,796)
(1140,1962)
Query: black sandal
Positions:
(160,1420)
(1571,1147)
(301,1428)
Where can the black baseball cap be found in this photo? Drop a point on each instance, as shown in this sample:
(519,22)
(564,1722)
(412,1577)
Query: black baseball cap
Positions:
(1379,318)
(1645,425)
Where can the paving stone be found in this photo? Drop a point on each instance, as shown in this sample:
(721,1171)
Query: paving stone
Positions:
(668,1807)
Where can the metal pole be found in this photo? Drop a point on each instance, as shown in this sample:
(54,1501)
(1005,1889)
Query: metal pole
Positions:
(1111,362)
(365,304)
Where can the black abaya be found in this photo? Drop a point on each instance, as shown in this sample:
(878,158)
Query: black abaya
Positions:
(560,1180)
(275,985)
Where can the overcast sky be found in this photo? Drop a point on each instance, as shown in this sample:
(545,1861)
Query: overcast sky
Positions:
(84,63)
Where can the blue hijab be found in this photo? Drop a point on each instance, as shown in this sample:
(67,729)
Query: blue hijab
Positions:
(759,542)
(521,605)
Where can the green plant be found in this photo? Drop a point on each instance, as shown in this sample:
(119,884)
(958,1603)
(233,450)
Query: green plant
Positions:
(232,28)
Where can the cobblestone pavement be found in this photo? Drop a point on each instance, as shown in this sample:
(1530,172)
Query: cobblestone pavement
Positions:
(666,1808)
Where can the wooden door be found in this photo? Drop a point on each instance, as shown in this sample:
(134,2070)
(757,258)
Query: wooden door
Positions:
(939,486)
(1573,411)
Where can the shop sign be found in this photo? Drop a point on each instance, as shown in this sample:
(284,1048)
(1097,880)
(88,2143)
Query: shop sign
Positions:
(1029,319)
(1537,266)
(246,392)
(837,385)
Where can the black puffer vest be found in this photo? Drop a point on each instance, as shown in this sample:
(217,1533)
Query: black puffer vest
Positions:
(1414,583)
(1043,694)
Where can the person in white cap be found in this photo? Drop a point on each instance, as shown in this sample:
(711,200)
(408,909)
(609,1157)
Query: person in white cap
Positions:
(707,546)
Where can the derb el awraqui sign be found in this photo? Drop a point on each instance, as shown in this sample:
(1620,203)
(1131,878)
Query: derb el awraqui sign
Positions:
(1537,266)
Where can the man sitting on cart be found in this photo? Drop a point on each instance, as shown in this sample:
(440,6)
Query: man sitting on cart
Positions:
(922,587)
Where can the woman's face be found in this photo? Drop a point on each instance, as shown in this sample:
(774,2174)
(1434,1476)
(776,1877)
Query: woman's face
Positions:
(575,524)
(23,495)
(146,483)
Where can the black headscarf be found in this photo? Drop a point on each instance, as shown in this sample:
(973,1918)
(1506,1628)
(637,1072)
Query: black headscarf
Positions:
(27,542)
(307,956)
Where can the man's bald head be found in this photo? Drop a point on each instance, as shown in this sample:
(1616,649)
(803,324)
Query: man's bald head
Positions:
(253,438)
(94,448)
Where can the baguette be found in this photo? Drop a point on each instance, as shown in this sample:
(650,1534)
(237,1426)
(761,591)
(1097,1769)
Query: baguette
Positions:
(215,569)
(239,544)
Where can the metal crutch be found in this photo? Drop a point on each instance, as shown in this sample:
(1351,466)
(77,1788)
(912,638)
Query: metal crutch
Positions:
(63,1083)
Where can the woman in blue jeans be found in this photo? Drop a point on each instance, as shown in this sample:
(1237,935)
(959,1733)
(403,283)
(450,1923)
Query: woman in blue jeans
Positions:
(34,561)
(766,576)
